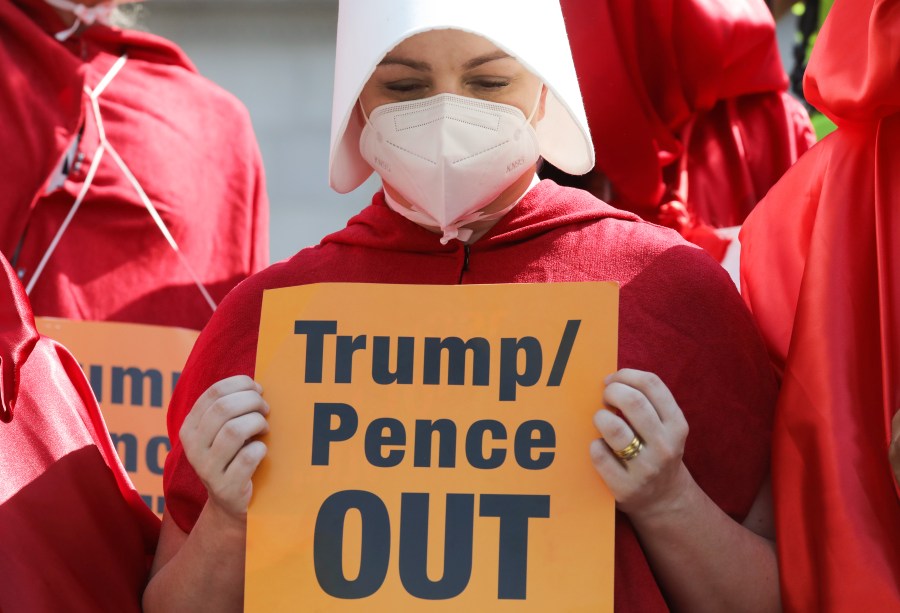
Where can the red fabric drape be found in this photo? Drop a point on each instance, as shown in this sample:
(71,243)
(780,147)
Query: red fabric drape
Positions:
(687,107)
(75,534)
(819,271)
(18,341)
(189,144)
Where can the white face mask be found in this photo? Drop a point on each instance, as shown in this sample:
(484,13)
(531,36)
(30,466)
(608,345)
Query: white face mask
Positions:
(449,156)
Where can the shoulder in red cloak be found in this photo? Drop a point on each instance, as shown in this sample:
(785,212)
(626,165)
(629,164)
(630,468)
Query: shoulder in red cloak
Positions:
(76,535)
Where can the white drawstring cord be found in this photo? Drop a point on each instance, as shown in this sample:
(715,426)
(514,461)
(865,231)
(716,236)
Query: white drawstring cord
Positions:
(106,147)
(87,15)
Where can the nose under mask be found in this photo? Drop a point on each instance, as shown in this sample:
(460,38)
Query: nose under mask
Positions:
(449,156)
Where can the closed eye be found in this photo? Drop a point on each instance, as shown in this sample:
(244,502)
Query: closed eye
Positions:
(489,84)
(405,86)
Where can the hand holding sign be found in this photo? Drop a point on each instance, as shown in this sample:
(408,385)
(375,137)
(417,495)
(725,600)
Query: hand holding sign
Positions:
(653,478)
(679,525)
(433,462)
(218,437)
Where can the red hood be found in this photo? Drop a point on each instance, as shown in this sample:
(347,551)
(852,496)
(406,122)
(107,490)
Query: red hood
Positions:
(18,336)
(43,109)
(378,227)
(646,66)
(855,64)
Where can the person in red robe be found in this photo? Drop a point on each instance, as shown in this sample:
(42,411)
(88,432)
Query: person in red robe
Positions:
(133,187)
(692,529)
(688,108)
(819,272)
(75,534)
(554,234)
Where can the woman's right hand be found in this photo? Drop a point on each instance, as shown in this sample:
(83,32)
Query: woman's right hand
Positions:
(218,437)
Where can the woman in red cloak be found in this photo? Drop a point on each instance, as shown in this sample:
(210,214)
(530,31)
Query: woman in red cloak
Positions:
(819,271)
(452,103)
(688,108)
(132,187)
(75,534)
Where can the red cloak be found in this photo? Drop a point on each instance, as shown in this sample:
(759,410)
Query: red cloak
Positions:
(818,271)
(75,534)
(189,144)
(687,105)
(680,316)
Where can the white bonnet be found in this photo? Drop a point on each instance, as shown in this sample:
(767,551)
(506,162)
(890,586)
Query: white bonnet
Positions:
(532,31)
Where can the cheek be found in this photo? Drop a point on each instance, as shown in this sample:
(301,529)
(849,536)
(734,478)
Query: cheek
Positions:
(368,100)
(531,98)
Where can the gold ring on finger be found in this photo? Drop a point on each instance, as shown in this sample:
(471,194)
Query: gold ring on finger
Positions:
(631,451)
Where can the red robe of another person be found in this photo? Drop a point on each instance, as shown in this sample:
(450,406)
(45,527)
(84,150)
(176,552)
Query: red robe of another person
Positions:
(820,273)
(74,534)
(189,144)
(680,317)
(687,105)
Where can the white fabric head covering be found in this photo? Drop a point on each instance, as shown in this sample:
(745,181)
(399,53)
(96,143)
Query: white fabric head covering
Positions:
(532,31)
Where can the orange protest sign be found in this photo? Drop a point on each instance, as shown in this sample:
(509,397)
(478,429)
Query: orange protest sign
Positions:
(132,370)
(428,448)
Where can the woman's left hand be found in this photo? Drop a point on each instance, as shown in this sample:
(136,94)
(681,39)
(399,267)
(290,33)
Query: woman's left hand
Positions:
(895,446)
(653,479)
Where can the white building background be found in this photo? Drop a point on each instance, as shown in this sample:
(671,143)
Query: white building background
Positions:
(277,56)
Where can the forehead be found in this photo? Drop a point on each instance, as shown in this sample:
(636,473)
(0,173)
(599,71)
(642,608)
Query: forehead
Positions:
(448,47)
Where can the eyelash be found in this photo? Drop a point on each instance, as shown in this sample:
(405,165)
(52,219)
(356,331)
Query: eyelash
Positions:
(405,87)
(490,84)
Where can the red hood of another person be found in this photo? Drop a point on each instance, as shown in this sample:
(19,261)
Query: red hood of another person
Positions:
(646,66)
(854,70)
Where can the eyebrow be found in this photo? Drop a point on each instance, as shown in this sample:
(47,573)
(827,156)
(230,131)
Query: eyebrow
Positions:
(484,59)
(393,60)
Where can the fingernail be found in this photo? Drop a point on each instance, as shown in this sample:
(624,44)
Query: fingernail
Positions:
(607,380)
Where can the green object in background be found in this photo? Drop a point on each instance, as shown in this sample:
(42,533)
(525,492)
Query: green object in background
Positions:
(822,125)
(823,12)
(799,7)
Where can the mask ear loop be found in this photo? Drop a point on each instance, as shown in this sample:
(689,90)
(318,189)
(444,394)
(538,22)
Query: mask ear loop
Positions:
(537,103)
(365,115)
(534,109)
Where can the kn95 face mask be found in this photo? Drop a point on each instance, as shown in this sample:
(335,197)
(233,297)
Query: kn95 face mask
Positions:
(449,156)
